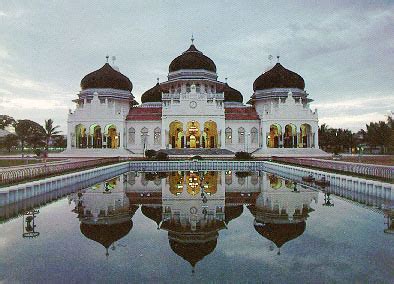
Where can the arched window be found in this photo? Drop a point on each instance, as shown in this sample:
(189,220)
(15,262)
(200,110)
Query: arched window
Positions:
(131,135)
(198,88)
(241,135)
(253,135)
(229,135)
(157,136)
(206,88)
(144,136)
(178,89)
(172,89)
(187,88)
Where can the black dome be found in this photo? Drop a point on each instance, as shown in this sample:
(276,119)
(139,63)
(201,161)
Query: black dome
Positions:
(152,95)
(232,95)
(153,213)
(106,234)
(278,77)
(192,59)
(281,233)
(106,77)
(232,212)
(191,251)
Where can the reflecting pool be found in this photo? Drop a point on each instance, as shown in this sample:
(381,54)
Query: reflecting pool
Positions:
(198,226)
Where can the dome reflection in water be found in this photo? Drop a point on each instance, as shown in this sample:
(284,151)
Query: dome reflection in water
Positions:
(193,207)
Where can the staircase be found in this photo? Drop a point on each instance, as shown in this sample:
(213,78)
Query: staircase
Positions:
(290,152)
(198,152)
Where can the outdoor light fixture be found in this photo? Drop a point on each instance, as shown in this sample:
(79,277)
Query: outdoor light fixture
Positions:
(29,226)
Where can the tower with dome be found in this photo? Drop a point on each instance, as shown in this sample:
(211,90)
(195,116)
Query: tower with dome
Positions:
(192,112)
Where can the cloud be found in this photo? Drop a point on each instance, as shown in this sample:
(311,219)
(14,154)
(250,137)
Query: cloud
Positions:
(342,50)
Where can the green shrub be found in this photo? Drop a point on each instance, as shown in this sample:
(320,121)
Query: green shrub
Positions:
(243,174)
(243,156)
(161,156)
(150,153)
(197,157)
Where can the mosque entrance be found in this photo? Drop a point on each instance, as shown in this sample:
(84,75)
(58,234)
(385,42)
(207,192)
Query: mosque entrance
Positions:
(176,135)
(193,134)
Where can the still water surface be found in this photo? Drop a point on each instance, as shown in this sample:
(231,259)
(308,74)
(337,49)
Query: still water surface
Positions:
(188,226)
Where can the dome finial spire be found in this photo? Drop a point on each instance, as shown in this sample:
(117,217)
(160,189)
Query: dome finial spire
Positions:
(192,39)
(226,79)
(107,57)
(157,80)
(278,58)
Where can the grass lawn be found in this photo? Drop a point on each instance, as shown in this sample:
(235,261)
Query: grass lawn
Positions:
(386,160)
(16,162)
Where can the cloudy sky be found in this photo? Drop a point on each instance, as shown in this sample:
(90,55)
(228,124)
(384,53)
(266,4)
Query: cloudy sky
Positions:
(342,49)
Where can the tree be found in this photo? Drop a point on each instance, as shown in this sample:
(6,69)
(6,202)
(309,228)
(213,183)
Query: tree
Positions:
(59,141)
(5,121)
(50,131)
(29,132)
(379,134)
(11,140)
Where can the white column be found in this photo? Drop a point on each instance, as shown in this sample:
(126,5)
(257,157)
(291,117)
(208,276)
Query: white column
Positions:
(264,137)
(70,137)
(316,137)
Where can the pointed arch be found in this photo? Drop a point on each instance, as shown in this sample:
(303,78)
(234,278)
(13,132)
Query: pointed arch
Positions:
(241,135)
(131,133)
(253,135)
(229,135)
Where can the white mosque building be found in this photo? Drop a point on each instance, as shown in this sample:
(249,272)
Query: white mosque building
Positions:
(191,111)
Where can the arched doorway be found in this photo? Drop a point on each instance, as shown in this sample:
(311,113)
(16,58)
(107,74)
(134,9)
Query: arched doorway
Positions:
(210,136)
(193,134)
(96,136)
(274,136)
(176,135)
(176,182)
(290,136)
(81,136)
(210,183)
(193,183)
(112,137)
(305,133)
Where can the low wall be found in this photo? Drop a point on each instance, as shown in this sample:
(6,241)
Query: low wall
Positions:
(196,165)
(13,175)
(358,168)
(23,191)
(366,186)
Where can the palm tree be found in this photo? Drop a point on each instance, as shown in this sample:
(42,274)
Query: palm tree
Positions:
(50,131)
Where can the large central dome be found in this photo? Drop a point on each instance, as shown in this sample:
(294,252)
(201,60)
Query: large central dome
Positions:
(192,59)
(106,77)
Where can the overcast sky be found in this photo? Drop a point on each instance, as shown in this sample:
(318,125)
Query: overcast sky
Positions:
(342,49)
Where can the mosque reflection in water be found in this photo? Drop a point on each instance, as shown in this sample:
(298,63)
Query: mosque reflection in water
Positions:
(193,207)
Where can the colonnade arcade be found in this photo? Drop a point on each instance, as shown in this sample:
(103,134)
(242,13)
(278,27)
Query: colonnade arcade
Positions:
(193,134)
(289,136)
(193,182)
(96,137)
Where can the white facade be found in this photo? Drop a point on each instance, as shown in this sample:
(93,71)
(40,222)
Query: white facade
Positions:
(192,112)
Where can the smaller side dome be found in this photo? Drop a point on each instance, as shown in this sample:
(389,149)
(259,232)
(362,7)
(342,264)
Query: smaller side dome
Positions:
(278,77)
(152,95)
(106,77)
(232,95)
